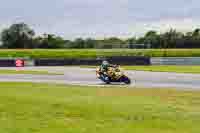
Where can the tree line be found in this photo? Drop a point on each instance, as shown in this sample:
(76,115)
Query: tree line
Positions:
(22,36)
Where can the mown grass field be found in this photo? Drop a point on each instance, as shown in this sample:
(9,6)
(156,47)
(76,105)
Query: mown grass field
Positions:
(43,108)
(93,53)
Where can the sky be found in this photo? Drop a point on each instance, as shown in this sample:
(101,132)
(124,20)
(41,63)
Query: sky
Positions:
(101,18)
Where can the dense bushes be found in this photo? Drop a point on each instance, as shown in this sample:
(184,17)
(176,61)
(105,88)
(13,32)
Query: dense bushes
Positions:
(22,36)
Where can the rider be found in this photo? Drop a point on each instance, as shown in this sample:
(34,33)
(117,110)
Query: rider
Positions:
(105,65)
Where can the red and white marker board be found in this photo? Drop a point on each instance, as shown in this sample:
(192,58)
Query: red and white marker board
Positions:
(19,63)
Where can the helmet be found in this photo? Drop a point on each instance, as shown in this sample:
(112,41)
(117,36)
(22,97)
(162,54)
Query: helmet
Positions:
(105,63)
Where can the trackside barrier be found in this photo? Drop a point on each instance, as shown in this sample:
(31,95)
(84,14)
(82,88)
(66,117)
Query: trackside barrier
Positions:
(130,60)
(16,62)
(122,60)
(7,63)
(28,63)
(176,61)
(115,60)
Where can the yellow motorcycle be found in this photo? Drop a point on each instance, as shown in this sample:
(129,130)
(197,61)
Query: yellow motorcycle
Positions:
(114,74)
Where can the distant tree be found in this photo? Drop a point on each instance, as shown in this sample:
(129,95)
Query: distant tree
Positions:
(152,38)
(79,43)
(67,43)
(17,36)
(113,42)
(195,39)
(132,40)
(50,41)
(170,38)
(90,43)
(196,33)
(140,40)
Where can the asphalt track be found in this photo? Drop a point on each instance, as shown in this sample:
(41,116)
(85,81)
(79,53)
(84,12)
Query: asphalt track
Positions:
(86,76)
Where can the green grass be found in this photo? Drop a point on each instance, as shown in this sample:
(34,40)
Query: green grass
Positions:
(177,69)
(42,108)
(28,72)
(93,53)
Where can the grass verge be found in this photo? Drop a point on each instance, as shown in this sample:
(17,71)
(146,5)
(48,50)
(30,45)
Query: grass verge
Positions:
(93,53)
(48,108)
(28,72)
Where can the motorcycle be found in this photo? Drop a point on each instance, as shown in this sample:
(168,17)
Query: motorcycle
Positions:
(114,74)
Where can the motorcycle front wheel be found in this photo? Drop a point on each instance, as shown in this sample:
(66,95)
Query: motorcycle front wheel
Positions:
(127,80)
